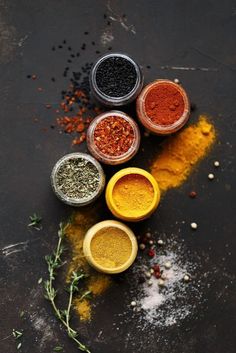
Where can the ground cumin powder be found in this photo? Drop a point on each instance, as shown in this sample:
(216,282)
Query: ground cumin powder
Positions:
(96,283)
(133,194)
(181,152)
(111,247)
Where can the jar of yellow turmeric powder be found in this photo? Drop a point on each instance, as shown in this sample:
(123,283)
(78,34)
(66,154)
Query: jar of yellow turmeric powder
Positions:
(132,194)
(110,247)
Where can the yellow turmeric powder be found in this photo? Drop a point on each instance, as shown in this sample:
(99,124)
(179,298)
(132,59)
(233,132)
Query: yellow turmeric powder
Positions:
(111,247)
(133,194)
(181,152)
(96,283)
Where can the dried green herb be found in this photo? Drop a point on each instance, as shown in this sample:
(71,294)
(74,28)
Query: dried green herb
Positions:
(35,222)
(77,178)
(58,349)
(54,262)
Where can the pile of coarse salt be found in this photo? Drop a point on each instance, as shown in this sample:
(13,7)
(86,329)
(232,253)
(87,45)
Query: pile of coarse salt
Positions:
(171,302)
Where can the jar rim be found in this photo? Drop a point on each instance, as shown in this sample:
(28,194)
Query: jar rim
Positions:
(94,230)
(111,99)
(123,173)
(75,201)
(146,120)
(105,157)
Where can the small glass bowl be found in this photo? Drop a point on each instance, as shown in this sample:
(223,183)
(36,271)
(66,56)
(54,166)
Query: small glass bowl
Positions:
(115,101)
(73,201)
(148,123)
(105,158)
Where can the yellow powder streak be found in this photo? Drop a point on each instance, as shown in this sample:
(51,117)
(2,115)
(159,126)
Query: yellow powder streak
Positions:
(181,152)
(97,282)
(111,247)
(133,194)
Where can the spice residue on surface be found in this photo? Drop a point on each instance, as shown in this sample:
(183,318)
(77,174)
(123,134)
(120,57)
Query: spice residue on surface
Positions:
(181,152)
(164,104)
(113,136)
(133,194)
(111,247)
(97,282)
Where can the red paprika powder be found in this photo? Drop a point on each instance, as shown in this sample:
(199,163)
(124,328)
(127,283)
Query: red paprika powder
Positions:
(163,107)
(164,104)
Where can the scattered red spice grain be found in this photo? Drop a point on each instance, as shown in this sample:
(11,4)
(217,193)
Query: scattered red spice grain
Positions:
(193,194)
(33,77)
(40,89)
(48,106)
(113,136)
(164,104)
(151,253)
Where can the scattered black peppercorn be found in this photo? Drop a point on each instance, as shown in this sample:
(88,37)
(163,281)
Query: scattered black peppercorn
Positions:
(60,46)
(148,67)
(116,76)
(64,41)
(86,33)
(97,52)
(193,107)
(53,79)
(93,43)
(109,48)
(78,54)
(69,61)
(28,76)
(69,48)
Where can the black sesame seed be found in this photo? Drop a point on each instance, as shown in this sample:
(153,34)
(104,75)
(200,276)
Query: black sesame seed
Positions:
(193,107)
(93,43)
(97,52)
(69,61)
(104,16)
(53,48)
(28,76)
(109,48)
(69,48)
(52,126)
(60,46)
(53,79)
(108,23)
(86,33)
(78,54)
(116,76)
(148,67)
(72,55)
(64,41)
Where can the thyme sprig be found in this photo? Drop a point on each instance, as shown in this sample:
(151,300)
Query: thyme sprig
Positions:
(35,222)
(54,262)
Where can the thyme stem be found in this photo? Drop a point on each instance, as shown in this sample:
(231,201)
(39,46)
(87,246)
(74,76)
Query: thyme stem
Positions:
(54,262)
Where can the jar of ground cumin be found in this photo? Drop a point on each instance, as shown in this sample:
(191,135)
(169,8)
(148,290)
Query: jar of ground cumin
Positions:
(113,137)
(116,79)
(163,107)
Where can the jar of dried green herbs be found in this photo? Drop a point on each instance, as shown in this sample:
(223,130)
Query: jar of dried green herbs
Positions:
(77,179)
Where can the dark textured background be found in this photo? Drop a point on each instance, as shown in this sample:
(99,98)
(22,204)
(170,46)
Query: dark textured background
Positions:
(167,33)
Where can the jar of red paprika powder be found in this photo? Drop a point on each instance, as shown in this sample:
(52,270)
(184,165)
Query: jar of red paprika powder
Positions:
(163,107)
(113,137)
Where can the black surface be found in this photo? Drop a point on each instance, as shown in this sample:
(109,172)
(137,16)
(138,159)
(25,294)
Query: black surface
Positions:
(168,33)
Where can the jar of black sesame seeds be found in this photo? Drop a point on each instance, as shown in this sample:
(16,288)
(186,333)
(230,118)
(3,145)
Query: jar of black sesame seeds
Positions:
(116,79)
(77,179)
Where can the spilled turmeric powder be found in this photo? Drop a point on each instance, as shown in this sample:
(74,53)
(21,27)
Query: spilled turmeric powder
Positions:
(97,282)
(181,152)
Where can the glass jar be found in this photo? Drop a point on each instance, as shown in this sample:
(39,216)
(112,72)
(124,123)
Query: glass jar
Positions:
(113,99)
(162,129)
(114,158)
(77,202)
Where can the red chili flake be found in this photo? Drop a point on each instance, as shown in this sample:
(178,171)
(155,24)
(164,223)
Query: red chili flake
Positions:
(156,268)
(40,89)
(48,106)
(113,135)
(157,275)
(192,194)
(151,253)
(33,77)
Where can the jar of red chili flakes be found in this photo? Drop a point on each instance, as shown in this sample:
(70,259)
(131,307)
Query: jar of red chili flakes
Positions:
(163,107)
(113,137)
